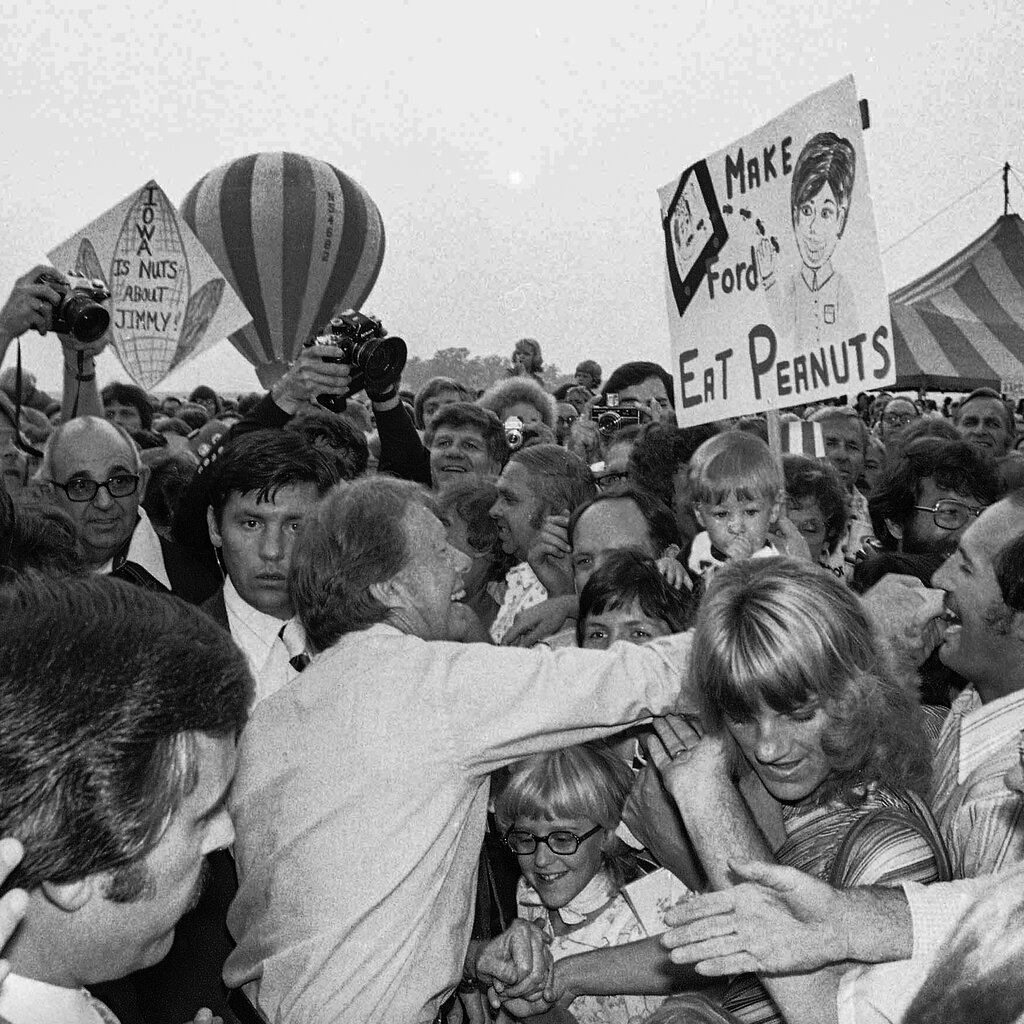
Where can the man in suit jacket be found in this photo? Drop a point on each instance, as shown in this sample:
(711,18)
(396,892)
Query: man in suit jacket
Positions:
(261,488)
(99,480)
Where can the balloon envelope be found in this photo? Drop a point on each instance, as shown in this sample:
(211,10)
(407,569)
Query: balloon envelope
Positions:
(297,239)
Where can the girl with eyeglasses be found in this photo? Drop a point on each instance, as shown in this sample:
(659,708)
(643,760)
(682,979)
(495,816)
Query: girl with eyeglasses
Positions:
(581,885)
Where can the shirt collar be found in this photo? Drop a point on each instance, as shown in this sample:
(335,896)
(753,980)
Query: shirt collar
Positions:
(144,550)
(28,1001)
(986,729)
(263,625)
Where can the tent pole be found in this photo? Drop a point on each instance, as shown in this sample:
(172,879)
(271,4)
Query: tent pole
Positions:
(1006,188)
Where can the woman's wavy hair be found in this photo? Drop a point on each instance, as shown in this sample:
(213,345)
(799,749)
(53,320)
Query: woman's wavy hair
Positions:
(586,781)
(498,397)
(787,634)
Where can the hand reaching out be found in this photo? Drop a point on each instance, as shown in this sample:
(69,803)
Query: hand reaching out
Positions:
(13,903)
(30,304)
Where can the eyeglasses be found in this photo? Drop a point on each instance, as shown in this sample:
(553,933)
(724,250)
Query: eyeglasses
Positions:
(950,514)
(562,843)
(567,421)
(82,488)
(898,419)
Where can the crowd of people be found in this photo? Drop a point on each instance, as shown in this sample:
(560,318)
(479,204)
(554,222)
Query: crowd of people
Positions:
(524,704)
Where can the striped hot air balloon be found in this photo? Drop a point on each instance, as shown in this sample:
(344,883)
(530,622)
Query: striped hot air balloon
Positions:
(297,239)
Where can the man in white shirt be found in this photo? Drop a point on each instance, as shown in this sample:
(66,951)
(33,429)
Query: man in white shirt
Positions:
(537,482)
(261,488)
(115,763)
(362,793)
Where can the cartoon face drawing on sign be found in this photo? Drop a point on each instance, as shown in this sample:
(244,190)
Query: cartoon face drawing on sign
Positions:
(691,226)
(817,301)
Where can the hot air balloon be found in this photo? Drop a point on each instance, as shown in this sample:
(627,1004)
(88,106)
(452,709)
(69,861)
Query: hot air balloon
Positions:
(297,239)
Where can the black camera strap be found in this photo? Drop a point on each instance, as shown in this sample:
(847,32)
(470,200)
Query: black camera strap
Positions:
(20,441)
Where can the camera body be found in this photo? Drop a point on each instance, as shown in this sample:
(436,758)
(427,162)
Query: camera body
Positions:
(376,360)
(514,433)
(612,417)
(79,312)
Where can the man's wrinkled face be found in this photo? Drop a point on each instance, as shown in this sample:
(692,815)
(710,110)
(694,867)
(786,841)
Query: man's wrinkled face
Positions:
(97,452)
(982,422)
(973,601)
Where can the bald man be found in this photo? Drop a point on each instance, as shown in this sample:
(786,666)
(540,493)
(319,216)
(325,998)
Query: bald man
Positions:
(99,480)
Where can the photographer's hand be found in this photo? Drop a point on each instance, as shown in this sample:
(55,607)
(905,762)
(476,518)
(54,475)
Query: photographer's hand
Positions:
(311,375)
(28,307)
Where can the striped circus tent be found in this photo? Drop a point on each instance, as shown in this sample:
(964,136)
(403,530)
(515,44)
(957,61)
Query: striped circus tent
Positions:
(298,240)
(961,326)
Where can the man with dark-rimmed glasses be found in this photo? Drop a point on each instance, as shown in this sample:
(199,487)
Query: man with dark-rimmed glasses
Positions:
(926,496)
(98,479)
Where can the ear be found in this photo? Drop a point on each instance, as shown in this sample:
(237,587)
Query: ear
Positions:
(71,896)
(143,480)
(390,593)
(844,209)
(211,525)
(894,528)
(699,516)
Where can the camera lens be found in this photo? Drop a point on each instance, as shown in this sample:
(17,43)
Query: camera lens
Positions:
(87,320)
(608,422)
(381,360)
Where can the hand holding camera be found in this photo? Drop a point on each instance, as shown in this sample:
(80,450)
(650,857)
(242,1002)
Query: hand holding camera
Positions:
(29,306)
(374,361)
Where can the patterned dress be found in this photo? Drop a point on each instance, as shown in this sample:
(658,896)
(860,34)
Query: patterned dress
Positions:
(600,917)
(889,839)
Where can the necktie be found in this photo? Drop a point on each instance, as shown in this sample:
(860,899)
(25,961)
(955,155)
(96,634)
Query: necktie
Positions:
(297,657)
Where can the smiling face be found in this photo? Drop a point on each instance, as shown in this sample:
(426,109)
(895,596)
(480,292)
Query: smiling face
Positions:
(972,644)
(422,593)
(256,539)
(785,750)
(629,623)
(982,422)
(459,453)
(518,512)
(560,878)
(817,225)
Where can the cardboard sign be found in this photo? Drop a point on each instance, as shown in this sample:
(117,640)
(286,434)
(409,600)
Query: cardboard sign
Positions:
(775,288)
(169,302)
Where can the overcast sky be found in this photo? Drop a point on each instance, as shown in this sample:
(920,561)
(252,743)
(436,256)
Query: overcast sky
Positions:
(514,151)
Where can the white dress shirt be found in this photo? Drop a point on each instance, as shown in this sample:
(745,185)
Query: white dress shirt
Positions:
(27,1001)
(259,637)
(145,551)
